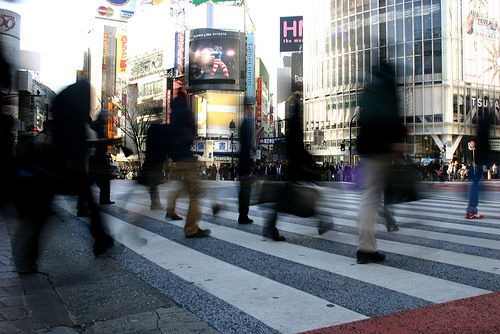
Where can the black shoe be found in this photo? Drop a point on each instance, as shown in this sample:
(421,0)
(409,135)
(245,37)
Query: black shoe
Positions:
(273,234)
(102,245)
(324,227)
(200,234)
(369,257)
(392,228)
(245,220)
(107,202)
(216,208)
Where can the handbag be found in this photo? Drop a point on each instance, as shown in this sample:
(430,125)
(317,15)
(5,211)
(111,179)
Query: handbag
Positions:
(401,185)
(299,199)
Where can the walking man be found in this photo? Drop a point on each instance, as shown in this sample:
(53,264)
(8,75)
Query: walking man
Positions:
(381,137)
(183,133)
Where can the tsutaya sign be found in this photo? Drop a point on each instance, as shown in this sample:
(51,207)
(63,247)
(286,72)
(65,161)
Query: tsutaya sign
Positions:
(480,102)
(493,104)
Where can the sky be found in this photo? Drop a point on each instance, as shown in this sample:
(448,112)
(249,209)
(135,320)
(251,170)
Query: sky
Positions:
(57,29)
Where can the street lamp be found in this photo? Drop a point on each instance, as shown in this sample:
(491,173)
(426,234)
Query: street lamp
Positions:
(232,130)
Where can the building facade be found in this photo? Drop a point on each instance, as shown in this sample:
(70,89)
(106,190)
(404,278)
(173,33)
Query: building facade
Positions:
(446,56)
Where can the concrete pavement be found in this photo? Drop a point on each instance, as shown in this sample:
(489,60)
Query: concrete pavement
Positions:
(78,293)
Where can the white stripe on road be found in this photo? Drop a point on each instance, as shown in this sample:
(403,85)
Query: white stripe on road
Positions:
(421,286)
(426,253)
(272,303)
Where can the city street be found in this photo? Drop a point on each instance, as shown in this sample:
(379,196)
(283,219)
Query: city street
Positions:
(441,269)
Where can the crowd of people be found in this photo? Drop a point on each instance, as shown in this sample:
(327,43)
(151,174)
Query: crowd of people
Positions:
(71,155)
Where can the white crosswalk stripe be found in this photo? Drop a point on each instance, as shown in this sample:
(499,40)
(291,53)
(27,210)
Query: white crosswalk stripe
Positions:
(453,258)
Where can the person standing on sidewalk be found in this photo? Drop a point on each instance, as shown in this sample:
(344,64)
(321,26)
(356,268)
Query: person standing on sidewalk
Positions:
(183,128)
(481,152)
(380,139)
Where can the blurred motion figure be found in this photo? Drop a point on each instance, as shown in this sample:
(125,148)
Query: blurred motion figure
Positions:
(380,141)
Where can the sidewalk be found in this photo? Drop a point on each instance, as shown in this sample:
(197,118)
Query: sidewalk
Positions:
(78,293)
(14,315)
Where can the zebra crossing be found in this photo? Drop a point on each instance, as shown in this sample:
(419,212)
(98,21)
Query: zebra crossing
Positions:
(237,281)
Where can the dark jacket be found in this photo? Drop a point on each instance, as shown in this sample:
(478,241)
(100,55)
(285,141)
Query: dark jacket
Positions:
(183,127)
(301,165)
(379,120)
(245,162)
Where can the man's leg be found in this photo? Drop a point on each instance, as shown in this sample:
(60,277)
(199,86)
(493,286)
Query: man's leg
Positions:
(193,188)
(374,179)
(244,201)
(475,176)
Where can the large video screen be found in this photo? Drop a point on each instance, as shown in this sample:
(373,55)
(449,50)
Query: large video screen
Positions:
(215,59)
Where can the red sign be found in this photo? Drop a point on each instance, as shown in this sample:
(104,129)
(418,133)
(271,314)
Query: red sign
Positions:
(259,104)
(105,51)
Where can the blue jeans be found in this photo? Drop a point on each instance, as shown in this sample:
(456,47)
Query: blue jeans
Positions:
(474,177)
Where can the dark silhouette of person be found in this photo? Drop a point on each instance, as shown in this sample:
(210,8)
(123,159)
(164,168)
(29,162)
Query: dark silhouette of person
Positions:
(157,148)
(482,155)
(183,128)
(245,169)
(380,141)
(100,161)
(6,131)
(301,167)
(62,169)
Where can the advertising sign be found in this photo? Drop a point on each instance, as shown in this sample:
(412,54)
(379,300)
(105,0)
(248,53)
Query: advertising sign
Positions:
(117,10)
(214,112)
(149,64)
(180,53)
(215,59)
(258,112)
(291,33)
(481,50)
(9,23)
(297,72)
(121,54)
(250,80)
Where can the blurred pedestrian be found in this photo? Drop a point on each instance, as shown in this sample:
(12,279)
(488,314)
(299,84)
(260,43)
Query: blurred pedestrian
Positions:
(380,139)
(100,161)
(245,169)
(481,153)
(6,130)
(183,133)
(295,198)
(157,147)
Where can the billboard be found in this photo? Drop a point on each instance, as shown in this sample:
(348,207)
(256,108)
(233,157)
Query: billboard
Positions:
(291,33)
(116,10)
(481,40)
(250,75)
(214,112)
(179,62)
(216,60)
(121,54)
(297,72)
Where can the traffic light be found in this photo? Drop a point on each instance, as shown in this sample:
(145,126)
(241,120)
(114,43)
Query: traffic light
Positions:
(342,146)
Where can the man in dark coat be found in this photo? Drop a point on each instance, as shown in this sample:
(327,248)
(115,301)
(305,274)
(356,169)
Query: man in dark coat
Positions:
(380,139)
(245,166)
(183,128)
(157,147)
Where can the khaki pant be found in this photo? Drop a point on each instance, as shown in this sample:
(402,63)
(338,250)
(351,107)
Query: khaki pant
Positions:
(190,184)
(375,174)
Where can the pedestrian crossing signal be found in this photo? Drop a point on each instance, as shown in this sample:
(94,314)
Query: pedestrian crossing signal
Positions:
(342,146)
